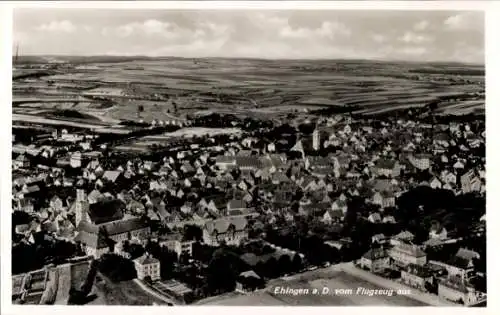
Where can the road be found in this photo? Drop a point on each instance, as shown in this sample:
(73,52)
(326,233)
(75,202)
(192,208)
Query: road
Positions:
(153,293)
(48,121)
(426,298)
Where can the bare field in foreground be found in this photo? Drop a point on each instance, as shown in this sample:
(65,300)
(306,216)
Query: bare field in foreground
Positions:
(335,280)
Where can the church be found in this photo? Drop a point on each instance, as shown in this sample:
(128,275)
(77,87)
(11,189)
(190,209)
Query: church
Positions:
(103,224)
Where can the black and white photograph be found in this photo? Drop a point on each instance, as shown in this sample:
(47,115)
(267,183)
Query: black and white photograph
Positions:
(246,157)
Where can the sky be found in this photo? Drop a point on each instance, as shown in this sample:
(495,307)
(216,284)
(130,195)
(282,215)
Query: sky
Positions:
(285,34)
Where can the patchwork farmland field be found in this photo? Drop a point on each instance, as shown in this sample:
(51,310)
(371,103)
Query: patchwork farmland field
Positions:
(169,88)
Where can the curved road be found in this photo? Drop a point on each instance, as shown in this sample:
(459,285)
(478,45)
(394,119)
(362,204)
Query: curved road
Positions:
(153,293)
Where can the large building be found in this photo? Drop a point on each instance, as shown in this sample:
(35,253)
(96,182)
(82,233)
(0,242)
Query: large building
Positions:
(231,230)
(102,224)
(376,260)
(147,266)
(455,290)
(175,243)
(406,254)
(416,276)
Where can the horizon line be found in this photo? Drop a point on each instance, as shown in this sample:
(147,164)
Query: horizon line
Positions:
(255,58)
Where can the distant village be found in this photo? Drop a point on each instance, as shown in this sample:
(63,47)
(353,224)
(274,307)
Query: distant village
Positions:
(401,199)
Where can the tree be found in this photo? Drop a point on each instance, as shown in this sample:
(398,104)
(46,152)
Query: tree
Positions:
(140,109)
(271,268)
(285,264)
(117,268)
(297,263)
(222,271)
(192,233)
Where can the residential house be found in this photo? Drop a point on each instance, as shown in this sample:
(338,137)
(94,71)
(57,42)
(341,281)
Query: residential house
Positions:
(56,203)
(388,219)
(435,183)
(237,207)
(318,163)
(388,168)
(420,161)
(21,162)
(405,254)
(402,237)
(111,176)
(438,231)
(416,276)
(375,218)
(448,177)
(379,238)
(332,216)
(459,165)
(340,204)
(249,281)
(76,160)
(376,260)
(147,266)
(461,265)
(470,182)
(384,199)
(455,290)
(441,140)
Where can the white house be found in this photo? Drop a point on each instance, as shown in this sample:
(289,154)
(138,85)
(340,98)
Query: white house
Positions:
(147,266)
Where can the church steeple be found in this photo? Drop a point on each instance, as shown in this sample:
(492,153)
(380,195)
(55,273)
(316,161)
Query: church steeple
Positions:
(316,139)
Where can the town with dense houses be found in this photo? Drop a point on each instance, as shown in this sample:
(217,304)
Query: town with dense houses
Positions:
(401,198)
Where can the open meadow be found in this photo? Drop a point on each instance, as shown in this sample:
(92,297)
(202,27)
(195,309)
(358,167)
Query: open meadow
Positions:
(337,280)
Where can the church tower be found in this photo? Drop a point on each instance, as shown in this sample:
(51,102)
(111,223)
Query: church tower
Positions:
(316,141)
(81,207)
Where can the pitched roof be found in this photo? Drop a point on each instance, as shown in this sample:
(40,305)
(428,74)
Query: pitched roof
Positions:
(419,271)
(236,204)
(454,283)
(248,274)
(95,195)
(222,225)
(111,175)
(336,213)
(225,159)
(320,161)
(251,259)
(467,254)
(441,137)
(248,161)
(385,164)
(146,260)
(33,189)
(412,250)
(106,211)
(22,158)
(375,216)
(382,185)
(404,235)
(94,240)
